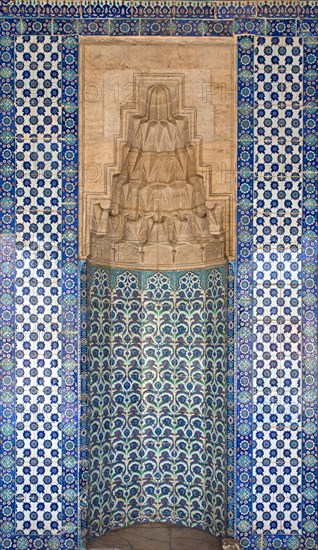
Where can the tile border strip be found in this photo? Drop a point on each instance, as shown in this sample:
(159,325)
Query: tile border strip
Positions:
(231,417)
(7,292)
(83,440)
(156,26)
(244,289)
(309,295)
(101,9)
(70,295)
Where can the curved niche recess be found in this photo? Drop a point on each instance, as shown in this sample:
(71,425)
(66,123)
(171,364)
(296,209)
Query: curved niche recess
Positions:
(157,331)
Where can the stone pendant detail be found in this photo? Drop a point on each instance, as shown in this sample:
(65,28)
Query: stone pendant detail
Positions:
(230,544)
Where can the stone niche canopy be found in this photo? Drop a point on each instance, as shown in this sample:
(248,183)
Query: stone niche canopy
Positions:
(158,215)
(157,205)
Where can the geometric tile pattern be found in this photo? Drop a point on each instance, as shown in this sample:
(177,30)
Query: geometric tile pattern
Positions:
(39,274)
(157,398)
(38,279)
(310,295)
(7,289)
(277,252)
(277,285)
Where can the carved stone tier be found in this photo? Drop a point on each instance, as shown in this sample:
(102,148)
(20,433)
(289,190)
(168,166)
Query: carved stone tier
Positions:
(165,257)
(158,216)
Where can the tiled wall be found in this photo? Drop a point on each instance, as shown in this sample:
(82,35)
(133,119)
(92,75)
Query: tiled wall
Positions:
(157,388)
(272,493)
(39,293)
(38,279)
(276,283)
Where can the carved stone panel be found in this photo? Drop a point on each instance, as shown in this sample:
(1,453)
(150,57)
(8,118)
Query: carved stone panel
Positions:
(150,189)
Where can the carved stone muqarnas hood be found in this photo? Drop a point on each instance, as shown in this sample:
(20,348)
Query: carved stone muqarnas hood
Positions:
(158,216)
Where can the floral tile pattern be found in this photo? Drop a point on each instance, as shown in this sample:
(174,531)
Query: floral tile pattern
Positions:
(39,253)
(309,293)
(244,291)
(277,292)
(38,279)
(231,413)
(157,398)
(7,288)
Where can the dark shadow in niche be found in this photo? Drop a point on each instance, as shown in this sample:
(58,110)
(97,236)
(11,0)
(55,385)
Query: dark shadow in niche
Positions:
(156,536)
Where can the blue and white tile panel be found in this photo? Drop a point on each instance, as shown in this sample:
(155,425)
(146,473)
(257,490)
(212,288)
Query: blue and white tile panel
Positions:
(39,261)
(38,285)
(279,294)
(277,286)
(310,295)
(157,398)
(248,19)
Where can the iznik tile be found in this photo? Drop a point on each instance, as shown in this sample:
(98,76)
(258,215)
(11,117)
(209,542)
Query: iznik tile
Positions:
(38,283)
(157,399)
(283,251)
(277,228)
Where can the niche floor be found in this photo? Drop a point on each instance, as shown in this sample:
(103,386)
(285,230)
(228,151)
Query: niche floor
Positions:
(156,537)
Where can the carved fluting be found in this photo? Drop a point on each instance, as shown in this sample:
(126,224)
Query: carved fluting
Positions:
(158,214)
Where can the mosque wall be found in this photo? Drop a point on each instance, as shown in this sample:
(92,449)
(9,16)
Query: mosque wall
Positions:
(272,281)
